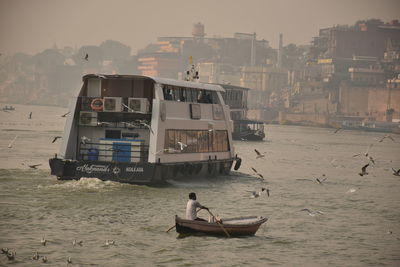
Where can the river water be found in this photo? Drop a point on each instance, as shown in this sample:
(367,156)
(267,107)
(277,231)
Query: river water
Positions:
(359,225)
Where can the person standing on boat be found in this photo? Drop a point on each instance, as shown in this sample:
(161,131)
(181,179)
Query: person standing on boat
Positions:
(191,208)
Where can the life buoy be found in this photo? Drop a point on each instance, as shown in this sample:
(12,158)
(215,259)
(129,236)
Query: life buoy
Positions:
(96,104)
(237,164)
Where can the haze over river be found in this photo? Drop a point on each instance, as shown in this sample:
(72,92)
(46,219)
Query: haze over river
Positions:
(360,224)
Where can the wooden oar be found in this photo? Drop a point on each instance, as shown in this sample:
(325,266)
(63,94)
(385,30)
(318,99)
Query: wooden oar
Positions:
(172,227)
(220,225)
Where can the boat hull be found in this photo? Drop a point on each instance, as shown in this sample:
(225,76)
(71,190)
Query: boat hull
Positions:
(137,173)
(234,229)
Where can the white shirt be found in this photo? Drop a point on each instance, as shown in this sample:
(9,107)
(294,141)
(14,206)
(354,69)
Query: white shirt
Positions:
(191,207)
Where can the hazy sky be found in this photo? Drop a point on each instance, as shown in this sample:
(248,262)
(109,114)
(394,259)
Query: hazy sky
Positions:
(33,25)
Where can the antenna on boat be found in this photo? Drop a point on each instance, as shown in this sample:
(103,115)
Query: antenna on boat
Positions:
(192,74)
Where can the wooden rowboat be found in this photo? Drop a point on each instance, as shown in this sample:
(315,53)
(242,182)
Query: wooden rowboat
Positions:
(241,226)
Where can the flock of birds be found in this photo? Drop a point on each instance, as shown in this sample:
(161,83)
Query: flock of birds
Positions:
(321,180)
(11,255)
(12,142)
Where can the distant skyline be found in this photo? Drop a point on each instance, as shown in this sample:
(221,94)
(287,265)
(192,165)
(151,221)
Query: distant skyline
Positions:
(31,26)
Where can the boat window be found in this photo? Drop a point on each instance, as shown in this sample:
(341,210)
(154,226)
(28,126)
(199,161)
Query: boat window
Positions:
(183,94)
(196,141)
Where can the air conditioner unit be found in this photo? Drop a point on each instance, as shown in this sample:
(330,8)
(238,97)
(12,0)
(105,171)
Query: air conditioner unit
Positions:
(88,118)
(112,104)
(139,105)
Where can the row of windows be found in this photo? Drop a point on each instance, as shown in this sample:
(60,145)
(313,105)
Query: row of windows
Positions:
(183,94)
(192,141)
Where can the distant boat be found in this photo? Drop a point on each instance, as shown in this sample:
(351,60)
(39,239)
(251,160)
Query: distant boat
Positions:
(241,226)
(8,108)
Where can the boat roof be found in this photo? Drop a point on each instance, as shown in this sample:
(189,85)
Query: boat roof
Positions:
(196,85)
(231,86)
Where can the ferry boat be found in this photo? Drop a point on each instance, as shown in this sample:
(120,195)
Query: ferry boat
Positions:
(243,129)
(145,130)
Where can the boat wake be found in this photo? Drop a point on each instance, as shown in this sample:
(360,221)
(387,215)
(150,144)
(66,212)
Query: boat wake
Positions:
(87,184)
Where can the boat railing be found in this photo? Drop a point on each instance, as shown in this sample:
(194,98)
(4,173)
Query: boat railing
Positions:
(114,152)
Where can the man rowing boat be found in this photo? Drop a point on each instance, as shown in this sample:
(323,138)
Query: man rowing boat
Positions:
(191,208)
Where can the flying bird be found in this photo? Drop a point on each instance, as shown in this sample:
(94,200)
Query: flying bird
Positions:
(66,114)
(255,194)
(84,139)
(259,155)
(182,146)
(351,190)
(366,154)
(320,181)
(396,173)
(103,123)
(110,242)
(10,145)
(371,159)
(35,256)
(34,166)
(259,174)
(386,136)
(364,170)
(74,243)
(11,255)
(312,213)
(145,125)
(55,138)
(337,130)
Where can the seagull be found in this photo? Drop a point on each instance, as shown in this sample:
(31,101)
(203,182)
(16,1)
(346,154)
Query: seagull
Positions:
(55,138)
(320,181)
(34,166)
(386,136)
(43,241)
(364,170)
(145,125)
(110,242)
(182,146)
(30,115)
(259,174)
(35,256)
(129,109)
(255,194)
(351,190)
(66,114)
(396,173)
(12,142)
(103,123)
(337,130)
(69,260)
(4,250)
(366,152)
(11,255)
(44,259)
(259,155)
(74,243)
(84,139)
(372,160)
(312,213)
(86,57)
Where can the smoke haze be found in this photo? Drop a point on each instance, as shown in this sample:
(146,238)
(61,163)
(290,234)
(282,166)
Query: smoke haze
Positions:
(32,26)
